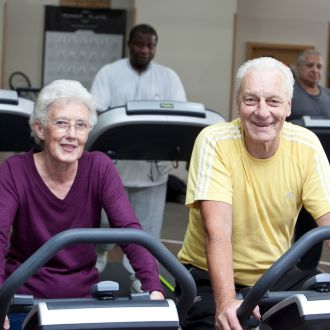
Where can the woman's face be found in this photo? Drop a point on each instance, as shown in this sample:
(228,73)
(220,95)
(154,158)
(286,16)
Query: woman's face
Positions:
(65,131)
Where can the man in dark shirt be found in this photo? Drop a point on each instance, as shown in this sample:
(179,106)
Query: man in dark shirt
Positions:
(309,98)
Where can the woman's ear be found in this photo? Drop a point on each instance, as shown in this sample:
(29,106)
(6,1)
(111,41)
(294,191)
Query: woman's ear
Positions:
(38,129)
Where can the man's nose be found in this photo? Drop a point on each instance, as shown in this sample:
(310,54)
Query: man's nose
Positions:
(316,68)
(144,49)
(262,108)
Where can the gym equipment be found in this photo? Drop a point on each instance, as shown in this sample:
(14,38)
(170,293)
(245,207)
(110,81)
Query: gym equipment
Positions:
(15,111)
(20,82)
(105,311)
(151,130)
(294,310)
(320,126)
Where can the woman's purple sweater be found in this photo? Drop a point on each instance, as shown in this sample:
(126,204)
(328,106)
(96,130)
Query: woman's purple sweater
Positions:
(36,214)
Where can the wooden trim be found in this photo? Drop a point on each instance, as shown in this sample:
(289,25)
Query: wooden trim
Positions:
(328,60)
(4,42)
(232,83)
(250,46)
(86,3)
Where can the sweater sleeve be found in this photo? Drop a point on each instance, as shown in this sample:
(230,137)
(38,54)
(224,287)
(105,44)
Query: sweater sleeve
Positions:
(8,208)
(121,215)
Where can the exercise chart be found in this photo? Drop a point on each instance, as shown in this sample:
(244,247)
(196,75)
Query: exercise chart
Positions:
(78,42)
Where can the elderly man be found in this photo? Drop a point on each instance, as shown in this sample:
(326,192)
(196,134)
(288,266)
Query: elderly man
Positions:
(248,179)
(309,98)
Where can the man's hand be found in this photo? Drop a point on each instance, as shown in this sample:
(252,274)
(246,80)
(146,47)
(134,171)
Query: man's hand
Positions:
(156,295)
(226,318)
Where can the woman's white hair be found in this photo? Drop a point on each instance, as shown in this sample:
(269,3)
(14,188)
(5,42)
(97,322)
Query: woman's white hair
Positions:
(262,64)
(61,90)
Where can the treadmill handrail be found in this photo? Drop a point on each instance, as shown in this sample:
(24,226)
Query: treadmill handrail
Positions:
(315,122)
(279,268)
(97,235)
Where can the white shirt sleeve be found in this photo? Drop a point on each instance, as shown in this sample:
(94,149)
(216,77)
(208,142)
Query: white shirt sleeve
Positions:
(176,89)
(100,90)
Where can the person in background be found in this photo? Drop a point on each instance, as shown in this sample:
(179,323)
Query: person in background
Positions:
(139,77)
(248,180)
(42,193)
(309,99)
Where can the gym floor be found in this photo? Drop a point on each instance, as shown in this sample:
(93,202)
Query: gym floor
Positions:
(173,230)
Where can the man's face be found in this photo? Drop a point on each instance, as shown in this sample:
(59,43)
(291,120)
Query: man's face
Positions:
(263,105)
(142,49)
(309,70)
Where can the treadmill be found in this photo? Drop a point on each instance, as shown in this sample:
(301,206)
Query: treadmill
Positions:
(15,111)
(151,130)
(320,126)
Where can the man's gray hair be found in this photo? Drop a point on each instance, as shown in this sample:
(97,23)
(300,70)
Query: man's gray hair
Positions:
(61,90)
(301,57)
(263,64)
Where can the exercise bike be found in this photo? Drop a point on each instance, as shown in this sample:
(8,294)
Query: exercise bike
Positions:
(103,310)
(290,310)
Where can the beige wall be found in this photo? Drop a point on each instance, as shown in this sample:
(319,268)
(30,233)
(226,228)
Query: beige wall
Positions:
(195,40)
(25,23)
(196,37)
(1,37)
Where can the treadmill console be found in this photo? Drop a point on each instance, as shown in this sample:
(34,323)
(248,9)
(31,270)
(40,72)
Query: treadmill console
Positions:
(166,108)
(15,111)
(151,130)
(8,97)
(320,126)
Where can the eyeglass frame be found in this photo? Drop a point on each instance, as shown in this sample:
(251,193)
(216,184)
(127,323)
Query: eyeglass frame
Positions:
(68,124)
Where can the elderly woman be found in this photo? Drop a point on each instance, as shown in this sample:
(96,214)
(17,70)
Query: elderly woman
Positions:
(60,187)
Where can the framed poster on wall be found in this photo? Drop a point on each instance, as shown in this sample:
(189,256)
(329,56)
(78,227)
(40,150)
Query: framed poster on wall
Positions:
(79,41)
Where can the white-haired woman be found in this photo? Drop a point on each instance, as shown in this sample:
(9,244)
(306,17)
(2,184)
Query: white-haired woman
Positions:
(59,187)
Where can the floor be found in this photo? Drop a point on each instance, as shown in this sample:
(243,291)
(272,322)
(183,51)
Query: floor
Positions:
(173,230)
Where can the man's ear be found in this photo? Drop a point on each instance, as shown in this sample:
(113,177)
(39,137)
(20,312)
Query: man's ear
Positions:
(288,110)
(237,106)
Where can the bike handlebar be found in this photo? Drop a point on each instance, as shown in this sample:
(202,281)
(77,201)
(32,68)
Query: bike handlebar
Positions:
(279,268)
(97,235)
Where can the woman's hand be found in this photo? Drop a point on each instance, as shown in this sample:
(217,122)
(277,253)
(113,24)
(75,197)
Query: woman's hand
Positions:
(6,324)
(156,295)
